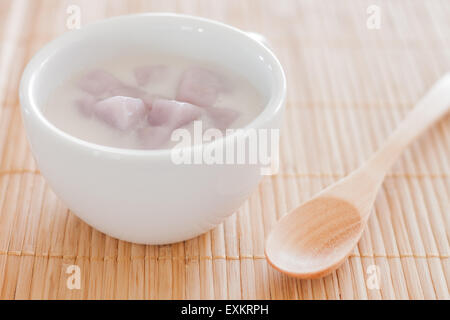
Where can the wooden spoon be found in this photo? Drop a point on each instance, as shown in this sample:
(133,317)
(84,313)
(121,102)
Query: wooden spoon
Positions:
(316,237)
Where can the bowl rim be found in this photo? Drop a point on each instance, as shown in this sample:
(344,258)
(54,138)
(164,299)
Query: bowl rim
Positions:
(270,109)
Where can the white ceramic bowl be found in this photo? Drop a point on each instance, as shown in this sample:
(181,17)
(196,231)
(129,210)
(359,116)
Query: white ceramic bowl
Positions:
(141,195)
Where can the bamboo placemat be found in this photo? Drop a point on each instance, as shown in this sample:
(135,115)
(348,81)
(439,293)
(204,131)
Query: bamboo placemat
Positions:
(348,88)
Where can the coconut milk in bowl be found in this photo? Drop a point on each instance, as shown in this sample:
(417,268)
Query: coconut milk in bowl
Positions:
(137,102)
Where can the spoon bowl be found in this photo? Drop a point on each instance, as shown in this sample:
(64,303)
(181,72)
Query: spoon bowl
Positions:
(329,230)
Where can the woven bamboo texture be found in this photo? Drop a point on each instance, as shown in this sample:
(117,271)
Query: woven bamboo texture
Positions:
(348,87)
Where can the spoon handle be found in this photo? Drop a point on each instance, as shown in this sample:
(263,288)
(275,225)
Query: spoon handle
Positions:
(434,105)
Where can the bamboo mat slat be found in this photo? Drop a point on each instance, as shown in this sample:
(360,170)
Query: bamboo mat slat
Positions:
(348,89)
